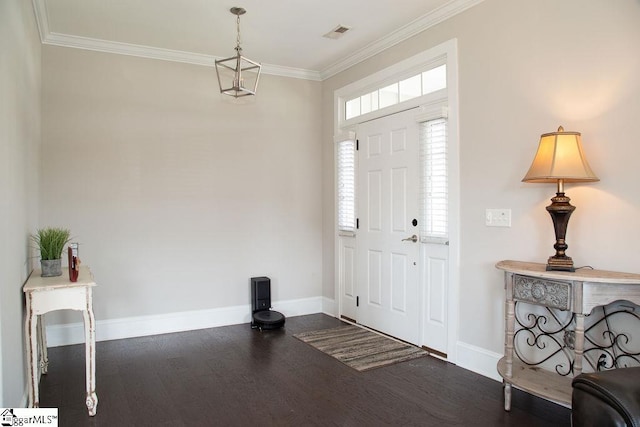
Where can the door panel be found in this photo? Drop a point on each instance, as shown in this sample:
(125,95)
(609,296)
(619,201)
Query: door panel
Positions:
(399,275)
(436,265)
(374,279)
(399,199)
(387,265)
(374,193)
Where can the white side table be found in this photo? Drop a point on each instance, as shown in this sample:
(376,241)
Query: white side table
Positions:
(45,294)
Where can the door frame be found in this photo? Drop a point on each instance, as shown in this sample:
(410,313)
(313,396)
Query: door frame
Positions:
(443,53)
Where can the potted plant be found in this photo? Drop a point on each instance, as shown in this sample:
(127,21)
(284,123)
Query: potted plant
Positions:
(50,242)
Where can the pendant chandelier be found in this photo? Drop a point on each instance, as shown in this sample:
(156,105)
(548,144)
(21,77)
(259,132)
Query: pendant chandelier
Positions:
(238,76)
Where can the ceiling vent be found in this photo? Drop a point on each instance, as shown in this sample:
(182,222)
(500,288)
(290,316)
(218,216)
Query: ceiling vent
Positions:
(337,32)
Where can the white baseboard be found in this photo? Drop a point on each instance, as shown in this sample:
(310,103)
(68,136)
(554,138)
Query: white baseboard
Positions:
(298,307)
(112,329)
(478,360)
(330,307)
(473,358)
(24,403)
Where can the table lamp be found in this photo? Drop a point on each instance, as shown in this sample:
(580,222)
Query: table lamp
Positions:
(560,159)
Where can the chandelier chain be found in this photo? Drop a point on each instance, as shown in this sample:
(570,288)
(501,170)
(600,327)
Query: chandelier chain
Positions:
(238,48)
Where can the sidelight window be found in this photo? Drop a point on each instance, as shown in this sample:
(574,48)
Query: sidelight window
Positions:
(434,185)
(346,186)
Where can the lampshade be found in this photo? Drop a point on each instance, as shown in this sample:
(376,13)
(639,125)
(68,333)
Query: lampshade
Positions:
(560,156)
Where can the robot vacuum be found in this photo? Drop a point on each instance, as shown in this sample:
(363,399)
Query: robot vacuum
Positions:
(262,317)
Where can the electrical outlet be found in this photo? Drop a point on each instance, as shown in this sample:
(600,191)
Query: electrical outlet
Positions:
(498,217)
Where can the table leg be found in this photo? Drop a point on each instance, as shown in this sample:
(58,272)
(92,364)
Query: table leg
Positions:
(510,316)
(507,396)
(31,326)
(42,346)
(90,356)
(579,344)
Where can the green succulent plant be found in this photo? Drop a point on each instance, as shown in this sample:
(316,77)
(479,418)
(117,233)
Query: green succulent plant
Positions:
(51,241)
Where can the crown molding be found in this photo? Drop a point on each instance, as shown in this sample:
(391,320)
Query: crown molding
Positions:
(140,51)
(64,40)
(42,20)
(417,26)
(98,45)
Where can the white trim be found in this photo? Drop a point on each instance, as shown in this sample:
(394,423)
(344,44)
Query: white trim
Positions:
(417,26)
(330,307)
(446,52)
(42,18)
(142,51)
(478,360)
(345,135)
(24,402)
(432,112)
(112,329)
(453,141)
(98,45)
(435,240)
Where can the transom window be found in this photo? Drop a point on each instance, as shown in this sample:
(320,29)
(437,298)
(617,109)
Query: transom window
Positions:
(420,84)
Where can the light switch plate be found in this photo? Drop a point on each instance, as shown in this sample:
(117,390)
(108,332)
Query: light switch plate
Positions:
(498,217)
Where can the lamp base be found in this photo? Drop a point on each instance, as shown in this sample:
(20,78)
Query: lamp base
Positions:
(560,210)
(555,263)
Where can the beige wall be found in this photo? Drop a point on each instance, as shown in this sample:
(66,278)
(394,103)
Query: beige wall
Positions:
(19,145)
(524,69)
(177,196)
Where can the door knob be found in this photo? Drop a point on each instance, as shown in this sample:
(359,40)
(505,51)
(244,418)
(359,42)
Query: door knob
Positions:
(413,238)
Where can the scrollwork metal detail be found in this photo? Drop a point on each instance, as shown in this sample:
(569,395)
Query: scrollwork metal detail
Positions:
(546,336)
(607,346)
(547,333)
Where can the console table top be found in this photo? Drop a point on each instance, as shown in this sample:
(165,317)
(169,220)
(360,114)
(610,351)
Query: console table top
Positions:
(583,275)
(38,283)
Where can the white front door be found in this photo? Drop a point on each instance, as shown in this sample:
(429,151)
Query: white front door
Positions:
(387,242)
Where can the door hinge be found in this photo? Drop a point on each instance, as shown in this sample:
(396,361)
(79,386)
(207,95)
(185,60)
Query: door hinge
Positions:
(357,301)
(357,223)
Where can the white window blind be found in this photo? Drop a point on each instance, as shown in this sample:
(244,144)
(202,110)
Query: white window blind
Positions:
(434,186)
(346,186)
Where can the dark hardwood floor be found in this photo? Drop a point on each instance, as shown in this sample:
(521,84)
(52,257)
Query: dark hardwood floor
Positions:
(236,376)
